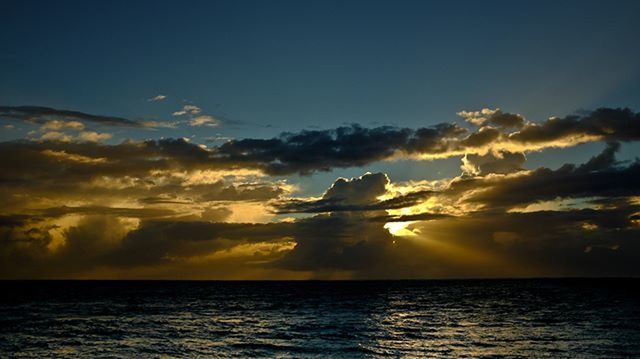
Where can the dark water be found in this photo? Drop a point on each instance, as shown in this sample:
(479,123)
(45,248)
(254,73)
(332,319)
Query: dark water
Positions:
(539,318)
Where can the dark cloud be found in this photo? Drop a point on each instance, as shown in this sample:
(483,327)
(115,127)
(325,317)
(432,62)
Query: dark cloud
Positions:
(100,210)
(65,214)
(40,114)
(106,241)
(409,217)
(483,137)
(507,120)
(44,161)
(479,244)
(353,146)
(242,192)
(599,177)
(337,242)
(488,117)
(583,242)
(309,151)
(607,124)
(501,162)
(352,195)
(606,159)
(161,241)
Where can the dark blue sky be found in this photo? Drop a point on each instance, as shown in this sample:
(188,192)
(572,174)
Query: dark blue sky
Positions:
(267,67)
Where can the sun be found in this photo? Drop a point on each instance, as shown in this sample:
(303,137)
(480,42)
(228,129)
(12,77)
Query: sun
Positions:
(399,229)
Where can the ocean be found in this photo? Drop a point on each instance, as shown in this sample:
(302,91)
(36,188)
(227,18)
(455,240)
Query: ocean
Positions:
(431,318)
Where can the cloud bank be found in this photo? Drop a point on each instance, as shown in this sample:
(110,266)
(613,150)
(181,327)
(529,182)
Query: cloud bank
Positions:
(170,208)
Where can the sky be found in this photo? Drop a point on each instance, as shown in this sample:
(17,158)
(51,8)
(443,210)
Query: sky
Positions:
(319,139)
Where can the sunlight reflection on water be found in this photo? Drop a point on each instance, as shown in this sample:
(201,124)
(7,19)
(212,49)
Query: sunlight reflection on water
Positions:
(555,318)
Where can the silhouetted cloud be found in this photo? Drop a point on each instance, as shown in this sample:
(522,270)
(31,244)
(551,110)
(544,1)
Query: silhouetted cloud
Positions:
(500,162)
(495,117)
(351,195)
(354,146)
(171,208)
(40,114)
(598,177)
(606,124)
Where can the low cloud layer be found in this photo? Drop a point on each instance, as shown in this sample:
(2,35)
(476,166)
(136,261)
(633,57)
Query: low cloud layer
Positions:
(172,208)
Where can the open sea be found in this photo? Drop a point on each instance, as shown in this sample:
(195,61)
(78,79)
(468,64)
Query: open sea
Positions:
(432,318)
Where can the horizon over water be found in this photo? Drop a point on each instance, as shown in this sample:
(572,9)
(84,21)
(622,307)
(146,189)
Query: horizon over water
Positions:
(414,318)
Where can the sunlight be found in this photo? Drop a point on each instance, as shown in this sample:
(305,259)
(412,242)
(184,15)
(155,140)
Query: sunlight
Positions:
(399,229)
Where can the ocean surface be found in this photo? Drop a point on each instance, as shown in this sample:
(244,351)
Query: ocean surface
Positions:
(458,318)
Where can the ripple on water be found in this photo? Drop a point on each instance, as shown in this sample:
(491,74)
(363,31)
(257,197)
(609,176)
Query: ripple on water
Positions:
(552,318)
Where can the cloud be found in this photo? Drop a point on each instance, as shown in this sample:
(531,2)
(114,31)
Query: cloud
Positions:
(188,110)
(361,190)
(495,117)
(344,243)
(56,136)
(599,177)
(157,98)
(354,195)
(43,115)
(170,208)
(101,210)
(605,124)
(56,125)
(204,120)
(354,146)
(502,162)
(93,136)
(160,124)
(306,152)
(323,150)
(196,117)
(83,136)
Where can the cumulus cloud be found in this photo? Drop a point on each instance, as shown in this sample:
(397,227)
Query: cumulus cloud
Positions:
(354,195)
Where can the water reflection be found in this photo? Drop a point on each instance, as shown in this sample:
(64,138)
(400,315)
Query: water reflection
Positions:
(584,318)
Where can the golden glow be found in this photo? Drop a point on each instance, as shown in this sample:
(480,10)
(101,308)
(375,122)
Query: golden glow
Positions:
(249,212)
(399,229)
(64,156)
(251,251)
(553,205)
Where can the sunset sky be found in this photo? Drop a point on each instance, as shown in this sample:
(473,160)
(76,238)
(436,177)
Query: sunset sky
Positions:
(319,139)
